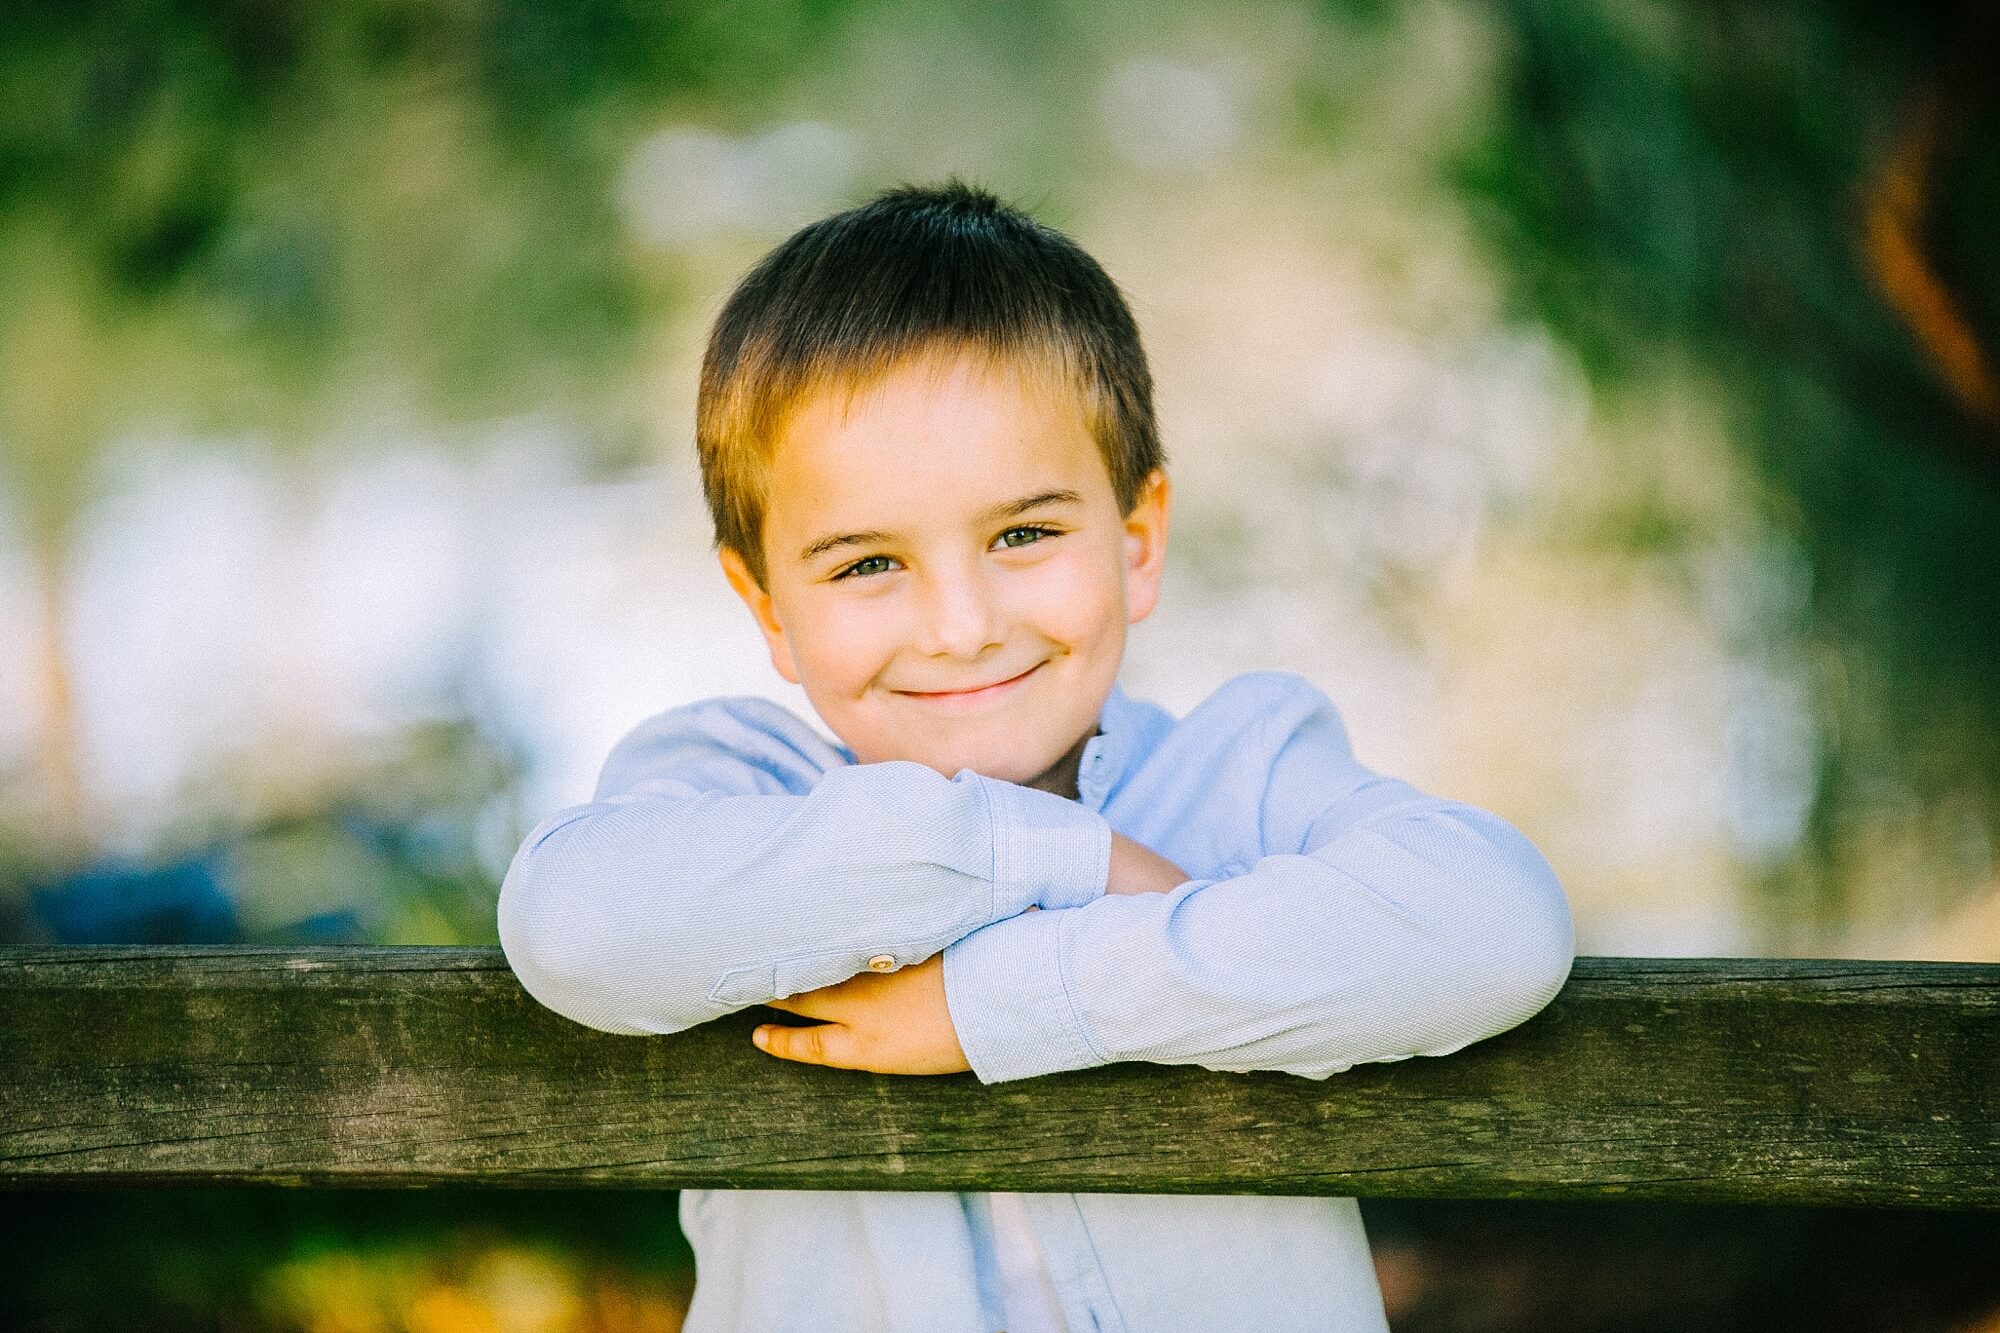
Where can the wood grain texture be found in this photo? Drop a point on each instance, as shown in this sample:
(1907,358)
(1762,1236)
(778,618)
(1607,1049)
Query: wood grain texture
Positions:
(1669,1079)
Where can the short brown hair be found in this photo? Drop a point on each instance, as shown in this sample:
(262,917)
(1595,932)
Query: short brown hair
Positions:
(852,295)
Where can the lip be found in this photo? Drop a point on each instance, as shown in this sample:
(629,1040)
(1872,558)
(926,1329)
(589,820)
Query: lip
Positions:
(970,698)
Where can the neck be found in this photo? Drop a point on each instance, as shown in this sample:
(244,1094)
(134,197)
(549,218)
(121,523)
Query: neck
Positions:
(1061,775)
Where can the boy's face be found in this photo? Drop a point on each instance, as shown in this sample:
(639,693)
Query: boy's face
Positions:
(947,572)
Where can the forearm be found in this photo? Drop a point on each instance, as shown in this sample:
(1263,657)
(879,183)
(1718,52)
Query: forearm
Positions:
(1414,935)
(655,910)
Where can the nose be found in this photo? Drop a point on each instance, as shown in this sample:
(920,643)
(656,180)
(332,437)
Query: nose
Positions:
(960,615)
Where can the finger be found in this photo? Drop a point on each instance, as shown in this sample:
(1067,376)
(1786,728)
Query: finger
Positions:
(808,1004)
(820,1044)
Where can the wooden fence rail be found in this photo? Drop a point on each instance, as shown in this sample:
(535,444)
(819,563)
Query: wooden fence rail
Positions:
(1670,1079)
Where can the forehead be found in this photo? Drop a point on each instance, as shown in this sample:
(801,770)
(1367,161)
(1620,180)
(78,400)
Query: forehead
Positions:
(927,439)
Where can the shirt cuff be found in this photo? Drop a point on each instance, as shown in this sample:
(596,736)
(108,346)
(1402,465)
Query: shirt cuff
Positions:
(1004,989)
(1047,851)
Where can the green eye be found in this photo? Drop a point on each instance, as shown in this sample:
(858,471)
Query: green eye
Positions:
(874,564)
(1024,536)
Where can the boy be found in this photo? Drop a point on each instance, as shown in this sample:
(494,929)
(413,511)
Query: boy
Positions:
(927,440)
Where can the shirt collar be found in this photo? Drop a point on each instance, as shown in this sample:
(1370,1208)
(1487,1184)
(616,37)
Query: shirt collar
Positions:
(1106,754)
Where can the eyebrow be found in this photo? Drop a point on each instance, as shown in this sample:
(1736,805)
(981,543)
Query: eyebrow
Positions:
(1011,509)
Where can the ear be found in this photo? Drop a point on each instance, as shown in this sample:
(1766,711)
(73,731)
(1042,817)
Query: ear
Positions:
(1146,545)
(738,573)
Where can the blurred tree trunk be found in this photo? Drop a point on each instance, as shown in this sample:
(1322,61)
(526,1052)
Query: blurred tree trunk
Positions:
(55,350)
(1899,205)
(66,833)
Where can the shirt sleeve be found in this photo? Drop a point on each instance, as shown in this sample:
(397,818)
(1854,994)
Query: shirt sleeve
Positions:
(730,856)
(1383,924)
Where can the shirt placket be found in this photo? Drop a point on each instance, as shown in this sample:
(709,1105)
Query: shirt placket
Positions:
(1060,1231)
(1073,1264)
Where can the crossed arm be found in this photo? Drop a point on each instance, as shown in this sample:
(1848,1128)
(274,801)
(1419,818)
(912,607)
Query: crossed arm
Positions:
(898,1022)
(728,863)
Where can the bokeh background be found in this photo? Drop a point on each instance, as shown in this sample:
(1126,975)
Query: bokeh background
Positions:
(1598,399)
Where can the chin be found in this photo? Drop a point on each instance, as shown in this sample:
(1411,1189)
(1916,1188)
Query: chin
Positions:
(1005,769)
(1003,748)
(1006,763)
(1018,773)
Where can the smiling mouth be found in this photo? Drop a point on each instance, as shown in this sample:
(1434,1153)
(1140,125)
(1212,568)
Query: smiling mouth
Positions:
(984,692)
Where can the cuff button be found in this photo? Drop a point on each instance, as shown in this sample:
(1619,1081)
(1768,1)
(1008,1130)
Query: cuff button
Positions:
(882,962)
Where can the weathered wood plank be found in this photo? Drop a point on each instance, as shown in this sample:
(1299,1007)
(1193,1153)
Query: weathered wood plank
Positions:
(1700,1080)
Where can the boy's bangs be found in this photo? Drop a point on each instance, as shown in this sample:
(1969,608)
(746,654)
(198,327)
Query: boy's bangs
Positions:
(1047,365)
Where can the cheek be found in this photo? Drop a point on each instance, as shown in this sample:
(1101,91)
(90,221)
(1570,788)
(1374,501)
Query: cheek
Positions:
(1078,599)
(845,643)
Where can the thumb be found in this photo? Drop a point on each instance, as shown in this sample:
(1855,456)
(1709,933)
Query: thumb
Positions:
(817,1044)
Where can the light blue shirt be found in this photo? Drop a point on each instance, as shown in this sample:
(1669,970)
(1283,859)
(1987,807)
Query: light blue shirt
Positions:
(732,855)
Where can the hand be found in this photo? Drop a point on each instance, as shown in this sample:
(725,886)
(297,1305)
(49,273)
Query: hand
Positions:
(1137,868)
(885,1022)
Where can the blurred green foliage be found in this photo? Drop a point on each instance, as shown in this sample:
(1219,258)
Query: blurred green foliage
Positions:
(405,846)
(257,197)
(1671,184)
(333,1259)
